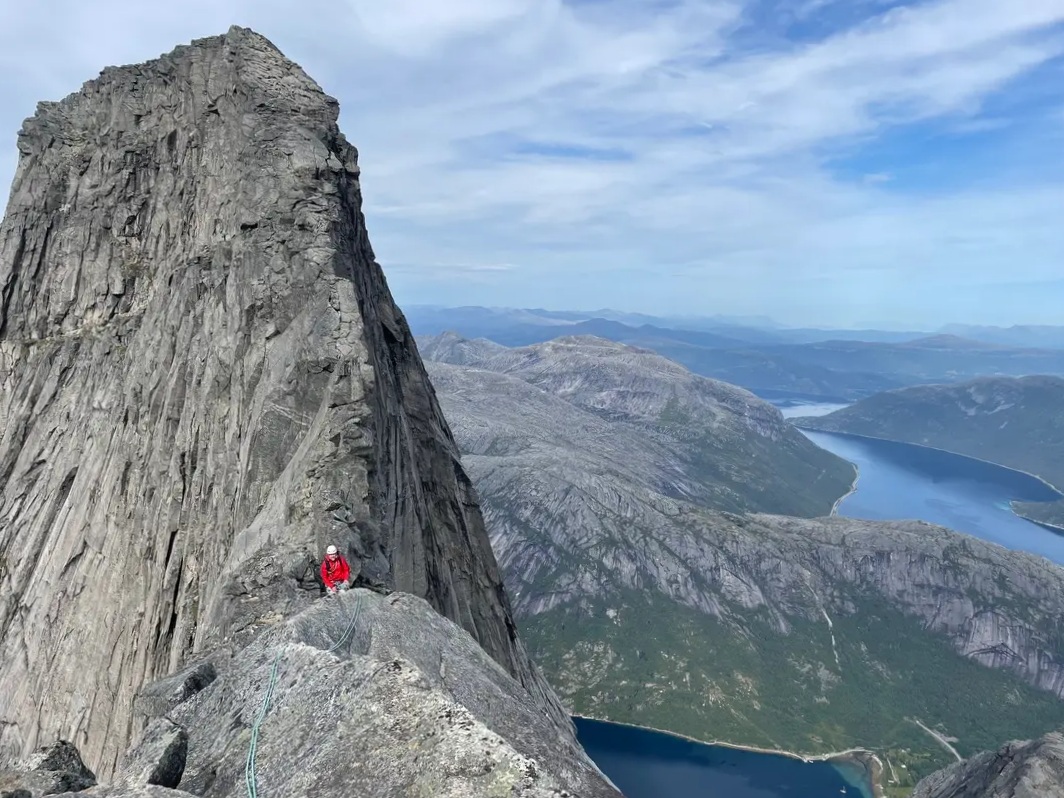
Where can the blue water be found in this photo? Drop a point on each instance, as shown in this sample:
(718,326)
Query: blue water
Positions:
(902,481)
(649,764)
(897,481)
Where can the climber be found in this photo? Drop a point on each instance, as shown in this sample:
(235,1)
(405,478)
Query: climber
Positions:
(335,572)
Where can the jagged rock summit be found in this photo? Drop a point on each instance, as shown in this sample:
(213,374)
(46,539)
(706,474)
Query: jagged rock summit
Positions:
(1028,769)
(203,381)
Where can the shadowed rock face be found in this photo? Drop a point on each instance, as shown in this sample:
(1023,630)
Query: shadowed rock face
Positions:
(1032,769)
(203,381)
(54,769)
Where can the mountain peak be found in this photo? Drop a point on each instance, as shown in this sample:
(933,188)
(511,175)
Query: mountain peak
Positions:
(235,73)
(206,381)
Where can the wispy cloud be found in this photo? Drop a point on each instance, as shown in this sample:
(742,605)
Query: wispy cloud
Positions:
(798,159)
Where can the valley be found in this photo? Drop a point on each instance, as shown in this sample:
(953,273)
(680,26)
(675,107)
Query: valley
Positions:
(1015,422)
(653,608)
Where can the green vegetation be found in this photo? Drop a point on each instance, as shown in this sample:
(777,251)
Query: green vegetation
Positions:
(1051,513)
(1015,422)
(781,475)
(643,659)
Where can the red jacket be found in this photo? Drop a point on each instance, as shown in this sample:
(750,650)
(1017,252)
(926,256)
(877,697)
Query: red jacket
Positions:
(333,571)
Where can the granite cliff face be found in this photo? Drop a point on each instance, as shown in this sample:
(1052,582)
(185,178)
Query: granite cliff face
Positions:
(1030,769)
(203,381)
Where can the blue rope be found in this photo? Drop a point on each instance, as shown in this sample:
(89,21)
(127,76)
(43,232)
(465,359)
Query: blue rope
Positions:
(249,765)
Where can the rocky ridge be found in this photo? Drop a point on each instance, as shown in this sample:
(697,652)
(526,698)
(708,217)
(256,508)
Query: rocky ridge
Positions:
(359,694)
(1030,769)
(204,380)
(618,408)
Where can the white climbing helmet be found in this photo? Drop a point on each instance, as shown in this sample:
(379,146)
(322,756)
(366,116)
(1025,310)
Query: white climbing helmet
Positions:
(331,550)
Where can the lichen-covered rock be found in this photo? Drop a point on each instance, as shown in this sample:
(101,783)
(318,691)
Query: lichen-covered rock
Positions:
(159,756)
(144,791)
(53,769)
(203,381)
(1031,769)
(163,695)
(377,696)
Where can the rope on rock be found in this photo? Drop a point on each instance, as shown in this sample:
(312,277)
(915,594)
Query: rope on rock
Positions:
(355,614)
(249,765)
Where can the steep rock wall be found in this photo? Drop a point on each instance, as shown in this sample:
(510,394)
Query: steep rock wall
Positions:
(203,381)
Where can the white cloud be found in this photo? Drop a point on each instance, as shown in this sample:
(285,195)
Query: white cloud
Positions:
(711,149)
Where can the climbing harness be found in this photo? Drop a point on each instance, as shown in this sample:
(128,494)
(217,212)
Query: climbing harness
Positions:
(249,765)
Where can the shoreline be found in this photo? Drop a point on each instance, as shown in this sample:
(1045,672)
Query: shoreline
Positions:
(850,755)
(1051,527)
(1012,504)
(849,493)
(1046,482)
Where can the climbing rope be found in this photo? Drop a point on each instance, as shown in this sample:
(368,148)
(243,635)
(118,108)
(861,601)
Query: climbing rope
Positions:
(355,615)
(249,765)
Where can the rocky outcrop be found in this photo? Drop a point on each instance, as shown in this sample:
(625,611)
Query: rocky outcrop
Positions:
(363,695)
(56,768)
(146,791)
(617,409)
(203,381)
(159,757)
(1032,769)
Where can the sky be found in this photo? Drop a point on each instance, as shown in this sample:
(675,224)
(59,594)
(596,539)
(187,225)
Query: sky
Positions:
(822,162)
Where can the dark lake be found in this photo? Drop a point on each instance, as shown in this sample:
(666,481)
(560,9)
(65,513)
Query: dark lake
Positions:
(648,764)
(902,481)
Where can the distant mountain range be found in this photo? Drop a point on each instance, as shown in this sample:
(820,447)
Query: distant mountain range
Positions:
(1017,422)
(602,470)
(475,321)
(752,329)
(826,364)
(1032,336)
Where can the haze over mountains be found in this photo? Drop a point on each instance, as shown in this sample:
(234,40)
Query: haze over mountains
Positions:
(653,607)
(825,364)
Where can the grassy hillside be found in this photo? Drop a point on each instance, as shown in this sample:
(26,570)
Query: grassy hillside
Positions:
(639,658)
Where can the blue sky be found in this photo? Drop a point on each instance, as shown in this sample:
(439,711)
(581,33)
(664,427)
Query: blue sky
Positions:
(820,161)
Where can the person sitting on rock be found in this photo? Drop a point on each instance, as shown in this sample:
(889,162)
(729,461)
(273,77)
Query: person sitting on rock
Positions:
(335,572)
